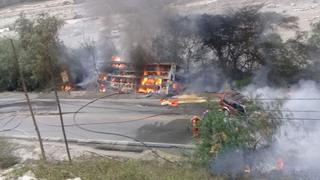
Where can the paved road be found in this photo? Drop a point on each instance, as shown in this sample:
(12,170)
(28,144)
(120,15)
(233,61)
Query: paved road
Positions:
(143,119)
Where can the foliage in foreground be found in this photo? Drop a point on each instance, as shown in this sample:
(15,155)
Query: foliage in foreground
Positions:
(7,158)
(88,169)
(38,46)
(39,49)
(249,132)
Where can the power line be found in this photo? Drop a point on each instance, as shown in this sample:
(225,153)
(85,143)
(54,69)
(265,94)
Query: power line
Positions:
(294,111)
(103,107)
(9,121)
(13,128)
(8,116)
(299,119)
(18,125)
(288,118)
(286,99)
(124,109)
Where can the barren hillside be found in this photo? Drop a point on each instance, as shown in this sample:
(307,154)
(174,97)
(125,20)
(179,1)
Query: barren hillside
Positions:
(308,11)
(78,24)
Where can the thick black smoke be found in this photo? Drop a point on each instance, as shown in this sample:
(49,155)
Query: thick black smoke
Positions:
(210,49)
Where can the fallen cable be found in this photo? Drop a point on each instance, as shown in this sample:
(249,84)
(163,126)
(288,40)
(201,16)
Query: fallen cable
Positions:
(111,122)
(115,134)
(13,128)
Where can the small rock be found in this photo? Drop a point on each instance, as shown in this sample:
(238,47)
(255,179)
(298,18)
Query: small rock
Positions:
(293,4)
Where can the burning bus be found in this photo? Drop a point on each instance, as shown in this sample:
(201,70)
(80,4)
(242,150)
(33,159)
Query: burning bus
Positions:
(157,78)
(122,77)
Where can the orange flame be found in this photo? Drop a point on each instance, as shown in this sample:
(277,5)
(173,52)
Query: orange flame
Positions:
(280,164)
(116,59)
(103,77)
(66,88)
(173,102)
(102,88)
(150,85)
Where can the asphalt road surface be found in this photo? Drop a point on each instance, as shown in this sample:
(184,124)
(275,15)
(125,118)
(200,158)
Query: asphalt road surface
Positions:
(143,119)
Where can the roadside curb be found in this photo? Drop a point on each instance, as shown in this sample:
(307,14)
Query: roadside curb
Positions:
(109,142)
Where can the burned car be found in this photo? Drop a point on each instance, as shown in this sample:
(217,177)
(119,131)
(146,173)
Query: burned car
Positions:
(232,103)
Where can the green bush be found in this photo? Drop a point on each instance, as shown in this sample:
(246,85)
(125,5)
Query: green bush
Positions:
(8,71)
(219,133)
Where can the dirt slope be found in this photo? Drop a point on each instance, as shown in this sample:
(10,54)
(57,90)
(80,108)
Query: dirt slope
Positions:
(78,24)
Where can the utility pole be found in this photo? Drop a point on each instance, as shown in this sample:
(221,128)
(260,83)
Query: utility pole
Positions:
(24,87)
(54,85)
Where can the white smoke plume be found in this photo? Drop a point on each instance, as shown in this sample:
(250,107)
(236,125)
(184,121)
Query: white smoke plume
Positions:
(298,141)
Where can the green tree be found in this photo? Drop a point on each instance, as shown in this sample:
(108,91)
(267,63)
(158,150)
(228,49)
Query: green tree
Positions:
(314,39)
(287,61)
(312,71)
(251,131)
(38,43)
(237,39)
(8,72)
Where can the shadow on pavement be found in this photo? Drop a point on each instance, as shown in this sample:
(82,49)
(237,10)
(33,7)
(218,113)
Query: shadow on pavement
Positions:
(176,132)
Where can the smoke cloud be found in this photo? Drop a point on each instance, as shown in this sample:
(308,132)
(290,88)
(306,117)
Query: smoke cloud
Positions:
(298,140)
(129,23)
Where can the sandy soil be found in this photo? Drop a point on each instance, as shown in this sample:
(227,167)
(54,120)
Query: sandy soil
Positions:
(308,11)
(60,8)
(78,24)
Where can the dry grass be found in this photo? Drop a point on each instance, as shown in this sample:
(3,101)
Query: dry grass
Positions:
(89,169)
(105,169)
(7,158)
